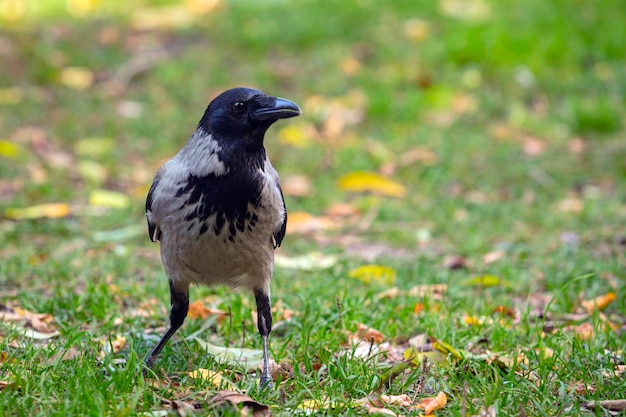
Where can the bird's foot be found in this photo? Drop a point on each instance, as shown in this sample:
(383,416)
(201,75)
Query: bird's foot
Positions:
(266,381)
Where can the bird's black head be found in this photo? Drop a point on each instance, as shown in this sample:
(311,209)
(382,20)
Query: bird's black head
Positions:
(241,116)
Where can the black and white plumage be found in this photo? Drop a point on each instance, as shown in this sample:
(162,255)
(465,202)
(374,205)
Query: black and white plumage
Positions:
(217,207)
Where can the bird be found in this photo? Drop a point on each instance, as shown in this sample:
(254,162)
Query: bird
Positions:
(217,208)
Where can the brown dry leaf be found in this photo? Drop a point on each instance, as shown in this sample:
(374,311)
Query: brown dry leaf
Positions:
(342,210)
(435,291)
(197,310)
(533,146)
(336,115)
(302,222)
(296,185)
(570,205)
(42,323)
(493,256)
(3,384)
(234,398)
(610,405)
(367,333)
(454,262)
(598,303)
(576,145)
(65,355)
(429,405)
(350,65)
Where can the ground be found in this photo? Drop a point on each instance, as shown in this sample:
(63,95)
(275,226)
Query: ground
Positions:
(456,188)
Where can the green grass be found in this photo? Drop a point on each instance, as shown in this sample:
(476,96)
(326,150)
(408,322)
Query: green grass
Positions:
(519,111)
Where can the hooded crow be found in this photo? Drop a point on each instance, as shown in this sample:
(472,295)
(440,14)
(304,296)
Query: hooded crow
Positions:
(217,208)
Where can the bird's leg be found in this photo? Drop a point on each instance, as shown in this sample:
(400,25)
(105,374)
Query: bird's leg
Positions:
(264,324)
(179,296)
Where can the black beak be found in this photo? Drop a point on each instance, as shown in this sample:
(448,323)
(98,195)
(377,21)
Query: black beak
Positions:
(281,109)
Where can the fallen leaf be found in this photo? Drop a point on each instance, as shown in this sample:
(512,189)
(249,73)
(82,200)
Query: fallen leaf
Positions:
(598,303)
(492,257)
(455,262)
(77,78)
(533,146)
(234,398)
(342,210)
(476,10)
(50,211)
(435,291)
(109,199)
(431,404)
(368,333)
(112,346)
(214,377)
(363,181)
(570,205)
(10,149)
(611,405)
(416,29)
(302,222)
(296,135)
(313,261)
(482,281)
(296,185)
(316,405)
(374,273)
(197,310)
(250,359)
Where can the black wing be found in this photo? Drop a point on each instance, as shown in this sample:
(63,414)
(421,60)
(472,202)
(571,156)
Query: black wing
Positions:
(279,234)
(153,229)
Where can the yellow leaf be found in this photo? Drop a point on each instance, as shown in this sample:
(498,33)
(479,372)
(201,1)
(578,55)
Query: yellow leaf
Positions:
(600,302)
(201,6)
(447,348)
(111,199)
(482,281)
(50,211)
(77,78)
(378,273)
(92,171)
(315,405)
(363,181)
(95,146)
(9,149)
(294,135)
(11,95)
(215,377)
(163,17)
(416,29)
(416,356)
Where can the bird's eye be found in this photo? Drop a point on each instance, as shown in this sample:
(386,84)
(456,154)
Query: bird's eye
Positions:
(239,106)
